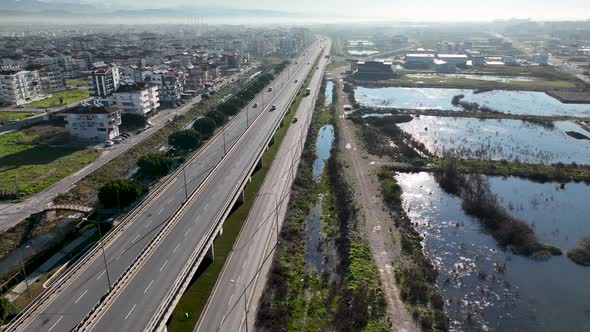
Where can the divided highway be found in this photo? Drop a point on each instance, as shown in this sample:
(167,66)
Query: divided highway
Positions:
(76,293)
(137,305)
(242,281)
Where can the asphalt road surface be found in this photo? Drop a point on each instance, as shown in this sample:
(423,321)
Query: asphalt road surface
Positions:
(79,294)
(242,281)
(138,302)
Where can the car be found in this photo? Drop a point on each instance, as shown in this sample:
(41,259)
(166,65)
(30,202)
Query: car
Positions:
(296,81)
(269,89)
(255,105)
(126,135)
(273,107)
(295,120)
(108,143)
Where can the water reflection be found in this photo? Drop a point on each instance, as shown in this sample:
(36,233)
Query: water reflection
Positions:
(487,288)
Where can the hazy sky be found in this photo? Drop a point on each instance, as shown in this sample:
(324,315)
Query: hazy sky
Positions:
(417,10)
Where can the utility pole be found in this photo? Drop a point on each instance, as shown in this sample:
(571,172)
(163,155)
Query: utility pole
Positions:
(22,262)
(104,256)
(223,134)
(185,189)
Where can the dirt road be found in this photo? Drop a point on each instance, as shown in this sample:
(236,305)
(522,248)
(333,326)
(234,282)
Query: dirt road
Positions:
(384,239)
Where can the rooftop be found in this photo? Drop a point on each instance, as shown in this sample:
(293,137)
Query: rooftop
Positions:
(134,87)
(91,109)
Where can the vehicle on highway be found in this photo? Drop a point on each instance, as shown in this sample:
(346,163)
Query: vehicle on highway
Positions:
(273,107)
(295,120)
(307,91)
(296,81)
(255,105)
(269,89)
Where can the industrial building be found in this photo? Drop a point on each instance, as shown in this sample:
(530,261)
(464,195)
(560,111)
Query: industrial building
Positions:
(374,69)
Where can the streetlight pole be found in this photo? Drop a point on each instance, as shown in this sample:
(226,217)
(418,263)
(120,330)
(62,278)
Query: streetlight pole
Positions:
(223,134)
(185,189)
(104,256)
(22,262)
(245,301)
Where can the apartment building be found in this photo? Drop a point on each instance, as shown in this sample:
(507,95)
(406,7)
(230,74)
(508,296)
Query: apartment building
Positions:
(93,122)
(103,80)
(137,98)
(18,87)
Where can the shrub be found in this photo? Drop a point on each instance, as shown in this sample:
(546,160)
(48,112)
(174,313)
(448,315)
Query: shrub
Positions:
(154,165)
(218,117)
(7,310)
(205,127)
(130,121)
(581,253)
(119,193)
(185,139)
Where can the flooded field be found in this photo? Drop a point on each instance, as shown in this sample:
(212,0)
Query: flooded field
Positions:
(489,289)
(497,139)
(490,78)
(329,90)
(514,102)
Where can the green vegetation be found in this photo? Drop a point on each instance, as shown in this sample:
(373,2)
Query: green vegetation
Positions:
(219,118)
(61,98)
(73,82)
(132,121)
(581,253)
(242,98)
(7,310)
(536,172)
(195,297)
(414,273)
(205,127)
(154,165)
(187,139)
(119,193)
(28,164)
(6,116)
(442,80)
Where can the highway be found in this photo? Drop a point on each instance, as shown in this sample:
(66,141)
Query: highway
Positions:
(137,303)
(243,278)
(76,293)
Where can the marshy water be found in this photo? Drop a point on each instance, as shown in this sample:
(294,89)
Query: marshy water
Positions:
(488,288)
(498,139)
(314,247)
(329,90)
(514,102)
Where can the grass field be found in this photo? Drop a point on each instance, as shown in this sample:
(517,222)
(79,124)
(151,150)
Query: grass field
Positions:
(73,82)
(31,166)
(8,116)
(69,97)
(195,298)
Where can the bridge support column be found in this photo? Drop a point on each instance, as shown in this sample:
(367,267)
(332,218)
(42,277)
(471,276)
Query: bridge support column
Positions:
(282,123)
(241,198)
(258,165)
(220,232)
(210,253)
(272,141)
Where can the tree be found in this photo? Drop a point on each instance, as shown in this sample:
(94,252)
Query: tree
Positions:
(119,193)
(7,309)
(218,117)
(185,139)
(61,100)
(154,165)
(205,127)
(131,121)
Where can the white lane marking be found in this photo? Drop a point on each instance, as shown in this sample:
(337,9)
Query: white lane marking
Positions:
(166,262)
(81,296)
(148,287)
(197,219)
(206,205)
(130,311)
(101,275)
(52,326)
(173,251)
(159,212)
(137,237)
(189,230)
(230,299)
(148,223)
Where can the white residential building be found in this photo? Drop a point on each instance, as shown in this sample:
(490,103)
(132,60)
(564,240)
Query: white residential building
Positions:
(93,122)
(103,80)
(19,87)
(138,98)
(541,59)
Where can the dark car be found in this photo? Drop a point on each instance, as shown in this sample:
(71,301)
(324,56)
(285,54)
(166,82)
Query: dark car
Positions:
(295,120)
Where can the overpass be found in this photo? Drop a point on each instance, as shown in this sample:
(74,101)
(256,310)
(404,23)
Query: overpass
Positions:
(213,175)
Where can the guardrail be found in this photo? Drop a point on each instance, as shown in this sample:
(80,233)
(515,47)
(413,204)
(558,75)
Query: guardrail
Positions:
(146,253)
(94,251)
